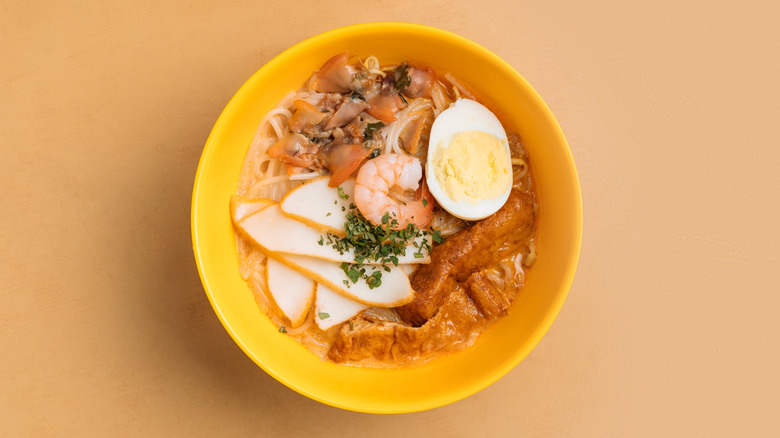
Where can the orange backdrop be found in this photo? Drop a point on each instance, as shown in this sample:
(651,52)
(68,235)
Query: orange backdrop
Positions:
(670,329)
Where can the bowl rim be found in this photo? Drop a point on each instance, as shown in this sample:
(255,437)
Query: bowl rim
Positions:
(566,280)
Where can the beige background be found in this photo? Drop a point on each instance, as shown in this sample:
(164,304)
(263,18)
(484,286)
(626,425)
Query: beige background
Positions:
(671,328)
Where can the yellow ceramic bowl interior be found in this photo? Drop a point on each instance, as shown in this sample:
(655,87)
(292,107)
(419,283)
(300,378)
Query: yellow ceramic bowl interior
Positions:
(444,380)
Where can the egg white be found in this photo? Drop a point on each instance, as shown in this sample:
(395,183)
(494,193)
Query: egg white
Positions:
(463,116)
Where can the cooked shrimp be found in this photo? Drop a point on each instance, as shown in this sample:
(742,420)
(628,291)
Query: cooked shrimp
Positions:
(387,173)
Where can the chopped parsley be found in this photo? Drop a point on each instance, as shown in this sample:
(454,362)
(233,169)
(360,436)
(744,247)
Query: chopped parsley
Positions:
(353,271)
(357,96)
(402,79)
(375,280)
(282,329)
(371,128)
(323,315)
(376,247)
(342,194)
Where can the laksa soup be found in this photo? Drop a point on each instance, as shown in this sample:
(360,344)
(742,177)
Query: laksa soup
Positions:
(384,216)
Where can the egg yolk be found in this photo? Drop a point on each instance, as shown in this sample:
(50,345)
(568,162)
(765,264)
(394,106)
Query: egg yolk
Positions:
(474,167)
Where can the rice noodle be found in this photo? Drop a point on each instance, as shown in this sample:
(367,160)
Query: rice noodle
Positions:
(372,65)
(456,92)
(417,108)
(440,100)
(304,176)
(518,171)
(531,258)
(463,91)
(287,100)
(261,165)
(505,266)
(269,181)
(381,314)
(446,223)
(494,277)
(313,98)
(303,327)
(519,271)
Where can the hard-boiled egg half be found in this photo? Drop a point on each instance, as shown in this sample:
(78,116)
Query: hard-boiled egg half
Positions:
(469,168)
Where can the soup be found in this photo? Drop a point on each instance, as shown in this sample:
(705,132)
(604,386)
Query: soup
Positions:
(384,216)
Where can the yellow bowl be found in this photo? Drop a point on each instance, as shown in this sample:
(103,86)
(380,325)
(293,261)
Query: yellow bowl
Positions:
(444,380)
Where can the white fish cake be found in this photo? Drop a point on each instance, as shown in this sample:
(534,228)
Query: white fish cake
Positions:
(292,291)
(332,308)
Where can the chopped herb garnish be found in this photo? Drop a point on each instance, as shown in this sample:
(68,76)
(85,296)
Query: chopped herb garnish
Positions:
(371,128)
(375,246)
(375,280)
(328,214)
(351,325)
(436,236)
(357,96)
(342,193)
(353,270)
(425,202)
(402,79)
(322,240)
(323,315)
(282,329)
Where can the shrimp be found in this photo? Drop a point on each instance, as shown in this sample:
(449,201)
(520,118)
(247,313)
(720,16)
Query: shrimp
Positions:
(390,173)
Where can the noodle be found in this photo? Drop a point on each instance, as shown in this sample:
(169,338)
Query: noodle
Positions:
(372,65)
(459,88)
(270,118)
(531,259)
(440,100)
(258,186)
(380,314)
(494,277)
(307,324)
(261,167)
(446,223)
(304,176)
(417,108)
